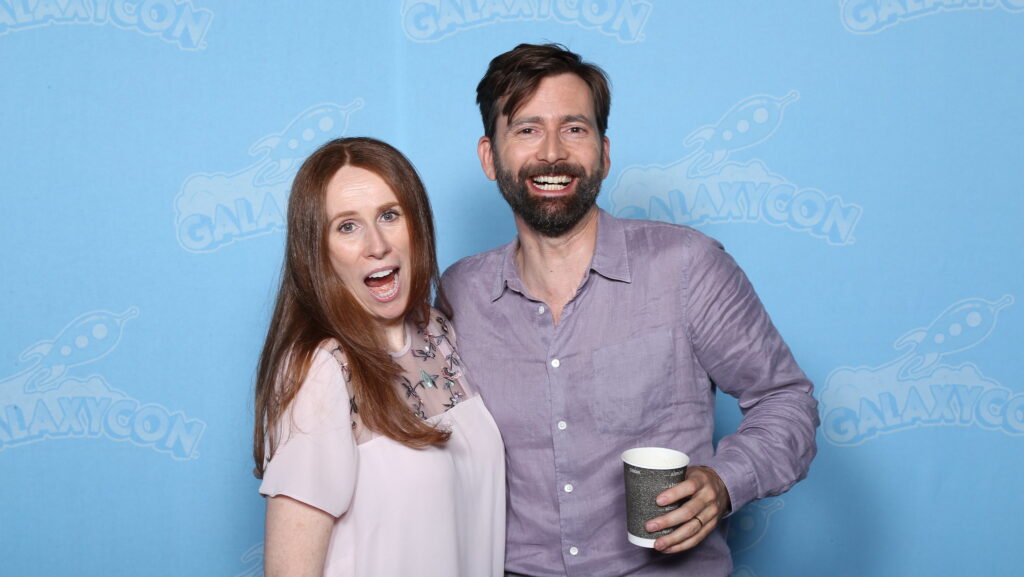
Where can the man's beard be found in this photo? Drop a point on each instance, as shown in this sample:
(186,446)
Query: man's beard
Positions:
(550,216)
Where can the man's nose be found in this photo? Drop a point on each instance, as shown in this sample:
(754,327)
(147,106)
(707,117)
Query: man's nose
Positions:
(552,149)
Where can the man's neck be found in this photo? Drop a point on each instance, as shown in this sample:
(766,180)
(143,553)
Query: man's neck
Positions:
(553,268)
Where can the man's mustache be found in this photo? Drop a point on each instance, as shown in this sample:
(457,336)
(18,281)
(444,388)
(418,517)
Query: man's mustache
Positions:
(532,170)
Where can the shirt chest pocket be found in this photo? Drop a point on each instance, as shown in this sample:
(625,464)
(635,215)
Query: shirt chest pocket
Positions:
(635,383)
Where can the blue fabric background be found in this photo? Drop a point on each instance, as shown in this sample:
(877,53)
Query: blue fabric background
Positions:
(861,159)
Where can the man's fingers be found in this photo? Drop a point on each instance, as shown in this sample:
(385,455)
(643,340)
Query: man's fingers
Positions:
(676,493)
(696,518)
(686,536)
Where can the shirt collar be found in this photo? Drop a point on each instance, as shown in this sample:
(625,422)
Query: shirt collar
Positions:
(611,257)
(508,274)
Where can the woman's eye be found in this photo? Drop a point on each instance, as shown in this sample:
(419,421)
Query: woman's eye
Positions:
(389,215)
(346,227)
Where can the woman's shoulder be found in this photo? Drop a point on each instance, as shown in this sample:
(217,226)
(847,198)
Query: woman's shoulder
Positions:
(324,386)
(327,364)
(330,347)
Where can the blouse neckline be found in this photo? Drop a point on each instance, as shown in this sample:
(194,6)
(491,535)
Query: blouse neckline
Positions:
(408,343)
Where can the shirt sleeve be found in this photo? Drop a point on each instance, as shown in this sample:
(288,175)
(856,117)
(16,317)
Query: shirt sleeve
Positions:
(317,458)
(744,355)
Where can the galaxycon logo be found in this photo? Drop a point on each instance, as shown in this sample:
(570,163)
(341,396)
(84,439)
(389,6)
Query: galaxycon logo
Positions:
(872,16)
(917,389)
(432,20)
(215,210)
(703,187)
(253,560)
(173,21)
(45,401)
(747,527)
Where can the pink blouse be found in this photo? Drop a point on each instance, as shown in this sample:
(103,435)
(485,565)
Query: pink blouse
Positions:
(434,512)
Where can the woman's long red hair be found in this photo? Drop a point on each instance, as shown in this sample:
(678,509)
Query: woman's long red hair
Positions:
(313,305)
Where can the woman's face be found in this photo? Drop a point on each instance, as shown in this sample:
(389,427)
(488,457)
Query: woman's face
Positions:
(368,242)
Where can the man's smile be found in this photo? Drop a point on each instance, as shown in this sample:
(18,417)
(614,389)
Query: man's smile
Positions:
(554,183)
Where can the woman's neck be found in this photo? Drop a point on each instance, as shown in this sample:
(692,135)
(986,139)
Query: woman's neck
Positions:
(394,336)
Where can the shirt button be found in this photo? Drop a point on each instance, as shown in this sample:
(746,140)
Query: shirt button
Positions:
(562,425)
(568,487)
(574,551)
(540,310)
(555,363)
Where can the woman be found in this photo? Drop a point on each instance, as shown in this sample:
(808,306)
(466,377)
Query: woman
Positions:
(377,457)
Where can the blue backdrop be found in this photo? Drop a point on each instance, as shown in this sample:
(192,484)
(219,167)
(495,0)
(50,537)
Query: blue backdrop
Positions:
(861,159)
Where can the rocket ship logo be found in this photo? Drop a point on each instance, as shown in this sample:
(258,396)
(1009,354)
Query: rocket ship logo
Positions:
(88,338)
(214,210)
(48,400)
(750,122)
(706,185)
(919,387)
(958,328)
(283,152)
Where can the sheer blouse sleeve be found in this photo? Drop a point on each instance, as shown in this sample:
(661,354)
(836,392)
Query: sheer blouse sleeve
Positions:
(316,458)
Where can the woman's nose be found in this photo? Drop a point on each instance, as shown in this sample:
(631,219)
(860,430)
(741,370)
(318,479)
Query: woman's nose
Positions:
(377,245)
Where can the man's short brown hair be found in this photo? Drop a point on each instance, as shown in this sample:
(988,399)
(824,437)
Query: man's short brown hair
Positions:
(513,77)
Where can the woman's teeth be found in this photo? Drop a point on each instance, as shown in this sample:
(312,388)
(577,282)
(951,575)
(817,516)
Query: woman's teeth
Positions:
(381,273)
(383,284)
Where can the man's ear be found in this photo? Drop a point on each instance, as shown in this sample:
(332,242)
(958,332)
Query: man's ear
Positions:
(606,146)
(486,153)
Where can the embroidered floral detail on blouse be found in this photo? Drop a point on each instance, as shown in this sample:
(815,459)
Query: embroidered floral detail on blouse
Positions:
(454,368)
(442,322)
(346,374)
(431,375)
(353,410)
(415,401)
(455,398)
(427,352)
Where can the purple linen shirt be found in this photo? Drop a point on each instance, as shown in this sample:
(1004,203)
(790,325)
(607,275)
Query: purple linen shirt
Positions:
(662,316)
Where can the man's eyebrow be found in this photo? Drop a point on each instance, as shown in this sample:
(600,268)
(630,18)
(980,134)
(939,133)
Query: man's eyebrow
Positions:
(569,118)
(524,120)
(577,118)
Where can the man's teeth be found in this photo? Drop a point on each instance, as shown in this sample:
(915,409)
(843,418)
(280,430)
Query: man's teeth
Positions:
(551,182)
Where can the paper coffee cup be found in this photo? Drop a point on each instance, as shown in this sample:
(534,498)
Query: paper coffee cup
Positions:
(648,471)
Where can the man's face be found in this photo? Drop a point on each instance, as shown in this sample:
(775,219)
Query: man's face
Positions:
(548,158)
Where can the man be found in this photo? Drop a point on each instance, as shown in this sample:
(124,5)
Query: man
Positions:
(589,335)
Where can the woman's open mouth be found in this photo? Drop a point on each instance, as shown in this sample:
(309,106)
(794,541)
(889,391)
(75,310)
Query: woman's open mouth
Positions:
(383,284)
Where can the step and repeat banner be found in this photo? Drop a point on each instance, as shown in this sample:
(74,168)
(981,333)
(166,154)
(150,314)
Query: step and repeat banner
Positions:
(861,159)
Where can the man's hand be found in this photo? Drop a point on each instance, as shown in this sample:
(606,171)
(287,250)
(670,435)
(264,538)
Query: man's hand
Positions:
(697,517)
